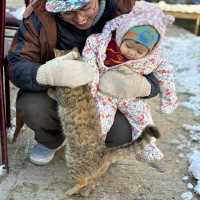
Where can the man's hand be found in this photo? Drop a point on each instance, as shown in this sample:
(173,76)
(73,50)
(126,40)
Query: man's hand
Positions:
(65,71)
(123,83)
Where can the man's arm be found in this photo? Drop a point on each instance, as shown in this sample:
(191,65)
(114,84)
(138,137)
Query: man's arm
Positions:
(155,88)
(24,55)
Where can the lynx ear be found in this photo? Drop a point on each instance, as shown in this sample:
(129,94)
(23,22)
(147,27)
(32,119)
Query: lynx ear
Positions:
(59,53)
(69,54)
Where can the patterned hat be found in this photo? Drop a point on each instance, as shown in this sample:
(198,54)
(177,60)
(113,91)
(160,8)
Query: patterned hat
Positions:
(146,35)
(56,6)
(144,13)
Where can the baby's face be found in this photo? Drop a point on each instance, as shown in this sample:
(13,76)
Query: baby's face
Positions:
(133,50)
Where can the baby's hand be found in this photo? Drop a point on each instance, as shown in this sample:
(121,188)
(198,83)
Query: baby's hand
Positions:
(118,84)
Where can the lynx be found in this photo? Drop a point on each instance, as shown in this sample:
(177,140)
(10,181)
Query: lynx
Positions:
(87,157)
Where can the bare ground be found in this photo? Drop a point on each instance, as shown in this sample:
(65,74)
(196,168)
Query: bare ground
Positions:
(128,180)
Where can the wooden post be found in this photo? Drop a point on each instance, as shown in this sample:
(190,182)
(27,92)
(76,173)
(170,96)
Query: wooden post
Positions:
(197,25)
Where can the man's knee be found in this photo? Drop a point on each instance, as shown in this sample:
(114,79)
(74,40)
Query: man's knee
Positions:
(120,132)
(36,109)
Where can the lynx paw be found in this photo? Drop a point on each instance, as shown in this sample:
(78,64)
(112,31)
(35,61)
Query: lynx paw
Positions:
(150,153)
(86,191)
(71,191)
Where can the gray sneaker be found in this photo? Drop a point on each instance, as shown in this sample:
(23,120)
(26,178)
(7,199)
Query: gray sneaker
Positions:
(41,155)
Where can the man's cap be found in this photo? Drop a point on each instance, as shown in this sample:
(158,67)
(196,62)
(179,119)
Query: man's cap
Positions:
(56,6)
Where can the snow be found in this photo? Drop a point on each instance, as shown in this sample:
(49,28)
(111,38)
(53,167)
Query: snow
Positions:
(2,170)
(194,168)
(183,53)
(18,13)
(188,8)
(185,178)
(11,130)
(197,187)
(190,186)
(187,196)
(194,131)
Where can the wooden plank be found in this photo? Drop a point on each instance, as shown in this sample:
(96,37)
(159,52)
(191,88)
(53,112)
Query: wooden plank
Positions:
(184,15)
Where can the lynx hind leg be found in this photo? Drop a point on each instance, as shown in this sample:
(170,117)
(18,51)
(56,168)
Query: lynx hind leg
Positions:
(151,131)
(86,191)
(146,148)
(82,191)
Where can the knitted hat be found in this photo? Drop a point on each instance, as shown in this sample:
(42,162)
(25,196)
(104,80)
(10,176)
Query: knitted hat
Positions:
(146,35)
(144,13)
(56,6)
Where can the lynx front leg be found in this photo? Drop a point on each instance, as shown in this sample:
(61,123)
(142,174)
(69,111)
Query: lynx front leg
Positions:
(86,191)
(81,183)
(85,185)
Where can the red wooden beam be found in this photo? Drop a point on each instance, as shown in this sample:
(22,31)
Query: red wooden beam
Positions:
(3,131)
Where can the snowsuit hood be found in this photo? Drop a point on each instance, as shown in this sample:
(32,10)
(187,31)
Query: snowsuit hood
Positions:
(144,13)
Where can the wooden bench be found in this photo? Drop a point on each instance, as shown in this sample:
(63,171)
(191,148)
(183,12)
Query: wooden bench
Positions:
(183,11)
(184,15)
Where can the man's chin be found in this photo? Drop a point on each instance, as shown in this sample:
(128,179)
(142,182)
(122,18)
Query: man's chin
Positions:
(84,26)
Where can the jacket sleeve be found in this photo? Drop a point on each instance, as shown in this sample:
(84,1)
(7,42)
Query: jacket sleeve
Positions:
(165,76)
(24,55)
(155,88)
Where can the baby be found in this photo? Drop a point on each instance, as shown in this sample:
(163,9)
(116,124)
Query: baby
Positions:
(130,44)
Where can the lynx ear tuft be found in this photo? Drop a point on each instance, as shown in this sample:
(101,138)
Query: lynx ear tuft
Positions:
(72,54)
(59,53)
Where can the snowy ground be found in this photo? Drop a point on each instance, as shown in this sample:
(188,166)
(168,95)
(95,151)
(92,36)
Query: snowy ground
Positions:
(184,54)
(174,178)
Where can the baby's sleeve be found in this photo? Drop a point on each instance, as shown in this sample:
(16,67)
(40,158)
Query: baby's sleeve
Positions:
(165,76)
(89,55)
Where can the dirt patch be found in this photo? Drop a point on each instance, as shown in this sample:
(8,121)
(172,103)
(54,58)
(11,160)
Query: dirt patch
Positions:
(128,180)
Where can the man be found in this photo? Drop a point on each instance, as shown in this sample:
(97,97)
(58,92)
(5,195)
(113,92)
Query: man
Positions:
(61,24)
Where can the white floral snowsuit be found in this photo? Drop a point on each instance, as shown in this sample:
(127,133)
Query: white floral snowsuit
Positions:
(137,111)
